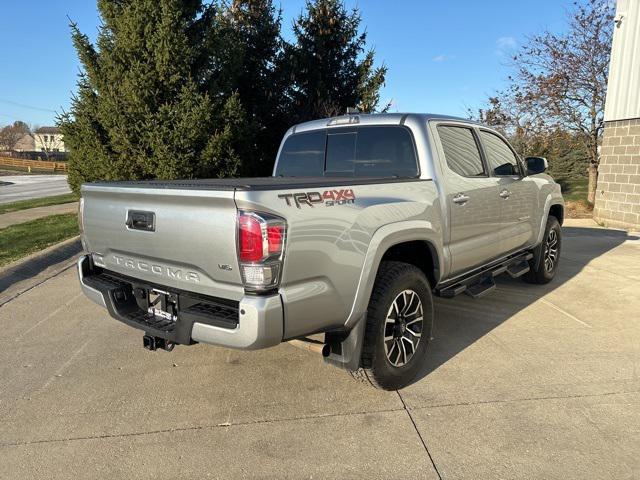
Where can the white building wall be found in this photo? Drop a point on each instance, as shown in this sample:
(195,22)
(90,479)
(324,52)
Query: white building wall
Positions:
(623,100)
(49,142)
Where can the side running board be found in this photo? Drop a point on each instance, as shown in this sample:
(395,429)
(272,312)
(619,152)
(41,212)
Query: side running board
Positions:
(518,269)
(480,281)
(480,289)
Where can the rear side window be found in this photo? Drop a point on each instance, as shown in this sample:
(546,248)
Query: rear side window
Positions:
(302,155)
(461,151)
(376,151)
(501,159)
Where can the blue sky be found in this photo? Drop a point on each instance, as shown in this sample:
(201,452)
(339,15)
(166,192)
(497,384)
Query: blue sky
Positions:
(442,56)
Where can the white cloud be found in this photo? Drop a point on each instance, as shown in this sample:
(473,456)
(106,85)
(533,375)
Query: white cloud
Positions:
(504,45)
(443,58)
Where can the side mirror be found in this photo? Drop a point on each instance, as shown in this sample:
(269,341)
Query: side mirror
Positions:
(536,165)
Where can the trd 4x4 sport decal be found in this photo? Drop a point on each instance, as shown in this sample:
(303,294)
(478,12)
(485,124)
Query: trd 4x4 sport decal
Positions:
(329,198)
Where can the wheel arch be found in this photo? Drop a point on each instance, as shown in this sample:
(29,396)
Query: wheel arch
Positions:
(419,253)
(416,242)
(553,206)
(557,210)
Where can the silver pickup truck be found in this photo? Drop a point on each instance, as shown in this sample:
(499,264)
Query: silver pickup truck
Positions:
(365,219)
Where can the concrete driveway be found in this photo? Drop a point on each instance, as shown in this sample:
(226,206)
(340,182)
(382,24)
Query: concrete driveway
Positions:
(529,382)
(24,187)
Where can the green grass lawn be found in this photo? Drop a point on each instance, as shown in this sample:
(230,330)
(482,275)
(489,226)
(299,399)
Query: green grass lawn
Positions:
(574,189)
(17,241)
(37,202)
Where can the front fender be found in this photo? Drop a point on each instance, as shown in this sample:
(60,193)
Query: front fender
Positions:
(384,238)
(553,198)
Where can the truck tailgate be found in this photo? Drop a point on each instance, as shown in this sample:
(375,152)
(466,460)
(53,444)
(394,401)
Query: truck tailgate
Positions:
(183,239)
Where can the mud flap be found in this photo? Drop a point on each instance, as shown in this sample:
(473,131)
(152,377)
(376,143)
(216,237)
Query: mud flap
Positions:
(346,351)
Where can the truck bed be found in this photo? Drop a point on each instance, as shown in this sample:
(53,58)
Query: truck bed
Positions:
(252,183)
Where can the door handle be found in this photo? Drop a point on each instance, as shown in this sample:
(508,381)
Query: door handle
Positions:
(505,194)
(460,199)
(138,220)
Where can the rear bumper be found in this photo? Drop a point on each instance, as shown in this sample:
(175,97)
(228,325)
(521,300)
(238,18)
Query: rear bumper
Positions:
(256,322)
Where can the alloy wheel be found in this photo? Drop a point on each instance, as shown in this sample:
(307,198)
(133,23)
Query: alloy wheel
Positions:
(403,328)
(551,251)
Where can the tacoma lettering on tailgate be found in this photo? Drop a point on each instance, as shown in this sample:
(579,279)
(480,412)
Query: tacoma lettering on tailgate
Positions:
(156,269)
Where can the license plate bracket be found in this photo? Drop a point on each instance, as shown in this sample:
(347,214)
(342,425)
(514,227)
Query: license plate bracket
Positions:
(163,304)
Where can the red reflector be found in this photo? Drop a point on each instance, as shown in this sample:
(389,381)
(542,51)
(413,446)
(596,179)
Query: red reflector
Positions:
(274,234)
(250,241)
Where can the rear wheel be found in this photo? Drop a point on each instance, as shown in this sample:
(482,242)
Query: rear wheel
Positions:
(544,265)
(398,329)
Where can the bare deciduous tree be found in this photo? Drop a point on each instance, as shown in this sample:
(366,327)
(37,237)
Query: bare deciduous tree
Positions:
(561,79)
(12,134)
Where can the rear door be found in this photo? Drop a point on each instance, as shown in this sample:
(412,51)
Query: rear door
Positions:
(471,196)
(517,193)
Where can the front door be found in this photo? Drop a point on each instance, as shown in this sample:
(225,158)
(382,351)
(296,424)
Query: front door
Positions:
(517,193)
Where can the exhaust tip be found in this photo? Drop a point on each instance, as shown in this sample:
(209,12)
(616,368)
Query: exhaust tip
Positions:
(149,342)
(323,349)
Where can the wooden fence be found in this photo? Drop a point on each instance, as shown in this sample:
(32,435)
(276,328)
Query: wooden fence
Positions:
(33,164)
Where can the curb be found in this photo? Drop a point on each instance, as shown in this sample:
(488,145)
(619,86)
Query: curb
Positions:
(26,273)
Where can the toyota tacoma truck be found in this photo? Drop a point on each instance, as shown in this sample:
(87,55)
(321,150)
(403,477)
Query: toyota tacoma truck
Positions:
(365,219)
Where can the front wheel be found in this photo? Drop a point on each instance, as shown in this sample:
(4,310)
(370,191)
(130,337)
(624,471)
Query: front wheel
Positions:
(544,265)
(398,329)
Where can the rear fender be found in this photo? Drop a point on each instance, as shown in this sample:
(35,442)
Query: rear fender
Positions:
(384,238)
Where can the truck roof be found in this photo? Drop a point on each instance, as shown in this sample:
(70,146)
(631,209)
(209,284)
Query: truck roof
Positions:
(373,119)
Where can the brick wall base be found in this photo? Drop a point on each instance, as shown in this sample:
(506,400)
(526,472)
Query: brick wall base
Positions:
(618,193)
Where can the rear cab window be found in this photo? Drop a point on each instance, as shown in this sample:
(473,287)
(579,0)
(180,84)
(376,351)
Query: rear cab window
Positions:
(367,151)
(302,155)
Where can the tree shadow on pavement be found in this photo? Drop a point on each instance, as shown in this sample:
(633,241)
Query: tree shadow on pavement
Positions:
(462,320)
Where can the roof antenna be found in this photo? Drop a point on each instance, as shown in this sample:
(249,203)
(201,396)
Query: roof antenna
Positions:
(352,111)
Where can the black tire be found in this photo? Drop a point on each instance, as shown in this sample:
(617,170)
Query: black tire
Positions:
(539,272)
(376,368)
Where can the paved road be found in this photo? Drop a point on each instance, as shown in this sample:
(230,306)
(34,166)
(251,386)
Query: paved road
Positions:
(25,187)
(529,382)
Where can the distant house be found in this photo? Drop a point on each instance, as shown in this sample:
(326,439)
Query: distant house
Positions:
(26,144)
(49,140)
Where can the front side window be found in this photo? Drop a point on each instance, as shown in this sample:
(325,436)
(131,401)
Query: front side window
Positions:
(500,158)
(461,151)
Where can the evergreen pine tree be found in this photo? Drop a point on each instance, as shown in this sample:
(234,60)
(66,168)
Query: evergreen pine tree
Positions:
(250,68)
(326,64)
(183,89)
(143,109)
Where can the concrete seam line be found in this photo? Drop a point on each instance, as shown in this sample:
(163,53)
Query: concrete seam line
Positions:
(529,399)
(195,427)
(424,444)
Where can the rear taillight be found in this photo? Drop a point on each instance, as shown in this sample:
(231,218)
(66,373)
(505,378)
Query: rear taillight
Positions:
(251,244)
(261,240)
